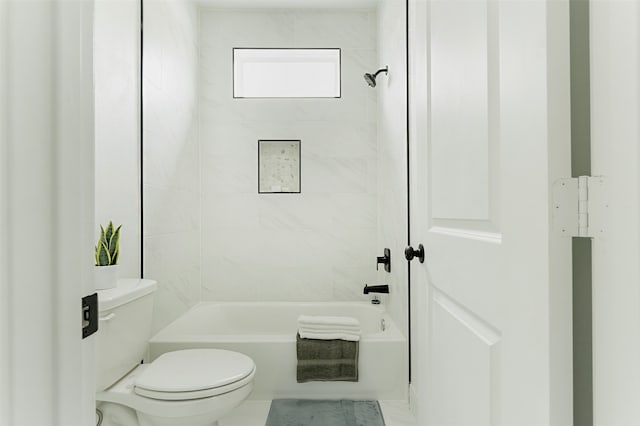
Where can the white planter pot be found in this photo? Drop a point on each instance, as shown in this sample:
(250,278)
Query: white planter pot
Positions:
(106,277)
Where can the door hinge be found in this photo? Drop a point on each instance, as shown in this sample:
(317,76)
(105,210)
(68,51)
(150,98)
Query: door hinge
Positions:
(579,206)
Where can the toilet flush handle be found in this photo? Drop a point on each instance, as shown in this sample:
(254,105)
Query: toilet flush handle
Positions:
(108,317)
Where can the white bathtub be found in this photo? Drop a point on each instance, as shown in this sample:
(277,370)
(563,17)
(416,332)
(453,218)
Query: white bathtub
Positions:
(266,332)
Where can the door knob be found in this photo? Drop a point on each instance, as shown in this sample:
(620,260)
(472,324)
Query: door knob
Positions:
(410,253)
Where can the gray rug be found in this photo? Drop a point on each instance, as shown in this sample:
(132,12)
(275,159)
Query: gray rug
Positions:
(322,412)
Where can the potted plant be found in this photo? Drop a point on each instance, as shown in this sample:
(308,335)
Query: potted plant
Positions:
(107,252)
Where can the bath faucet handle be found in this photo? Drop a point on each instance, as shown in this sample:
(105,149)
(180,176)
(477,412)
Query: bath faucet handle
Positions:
(385,260)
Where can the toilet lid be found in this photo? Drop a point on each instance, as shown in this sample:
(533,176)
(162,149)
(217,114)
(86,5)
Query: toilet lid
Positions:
(193,370)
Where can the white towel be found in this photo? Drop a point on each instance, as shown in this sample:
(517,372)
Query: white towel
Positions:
(331,328)
(353,337)
(306,330)
(328,320)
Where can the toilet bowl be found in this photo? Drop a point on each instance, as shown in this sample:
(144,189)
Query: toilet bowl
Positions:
(191,387)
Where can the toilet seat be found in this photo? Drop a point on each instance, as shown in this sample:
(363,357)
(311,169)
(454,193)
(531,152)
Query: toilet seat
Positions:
(123,393)
(194,373)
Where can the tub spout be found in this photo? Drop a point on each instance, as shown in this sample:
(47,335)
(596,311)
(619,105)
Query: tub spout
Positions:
(376,289)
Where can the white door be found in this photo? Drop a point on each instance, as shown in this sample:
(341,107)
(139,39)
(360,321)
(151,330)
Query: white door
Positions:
(490,133)
(615,154)
(46,212)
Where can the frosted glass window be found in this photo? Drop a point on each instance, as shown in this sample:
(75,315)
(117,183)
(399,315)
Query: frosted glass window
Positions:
(286,73)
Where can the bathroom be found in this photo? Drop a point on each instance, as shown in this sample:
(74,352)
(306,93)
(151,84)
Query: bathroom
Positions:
(458,159)
(210,234)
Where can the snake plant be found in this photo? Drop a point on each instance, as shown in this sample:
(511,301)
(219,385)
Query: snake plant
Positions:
(108,247)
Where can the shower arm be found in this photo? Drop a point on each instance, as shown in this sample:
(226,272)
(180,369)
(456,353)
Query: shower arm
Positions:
(385,69)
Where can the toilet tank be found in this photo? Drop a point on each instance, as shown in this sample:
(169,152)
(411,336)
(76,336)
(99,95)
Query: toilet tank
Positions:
(124,328)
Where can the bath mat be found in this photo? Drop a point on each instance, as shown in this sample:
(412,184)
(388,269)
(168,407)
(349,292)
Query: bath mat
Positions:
(323,412)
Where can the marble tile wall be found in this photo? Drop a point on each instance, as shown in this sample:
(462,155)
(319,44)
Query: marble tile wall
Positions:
(117,127)
(320,244)
(172,229)
(392,156)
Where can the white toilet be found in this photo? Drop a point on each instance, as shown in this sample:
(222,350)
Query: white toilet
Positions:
(191,387)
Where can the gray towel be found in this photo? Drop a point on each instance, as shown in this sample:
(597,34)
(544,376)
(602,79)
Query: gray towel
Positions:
(326,360)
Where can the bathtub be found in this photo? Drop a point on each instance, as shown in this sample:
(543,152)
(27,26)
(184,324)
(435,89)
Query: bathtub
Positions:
(266,331)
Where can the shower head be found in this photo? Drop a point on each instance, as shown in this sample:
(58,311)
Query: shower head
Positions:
(371,78)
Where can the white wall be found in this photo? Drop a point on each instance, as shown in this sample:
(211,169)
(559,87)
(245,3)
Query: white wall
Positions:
(615,154)
(117,130)
(171,157)
(317,245)
(392,155)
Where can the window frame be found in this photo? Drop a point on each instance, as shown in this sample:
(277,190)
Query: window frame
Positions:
(233,72)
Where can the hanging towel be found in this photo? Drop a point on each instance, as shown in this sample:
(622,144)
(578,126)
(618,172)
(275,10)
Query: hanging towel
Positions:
(326,360)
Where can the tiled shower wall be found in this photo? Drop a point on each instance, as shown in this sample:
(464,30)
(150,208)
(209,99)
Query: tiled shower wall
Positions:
(116,81)
(209,235)
(392,156)
(171,157)
(316,245)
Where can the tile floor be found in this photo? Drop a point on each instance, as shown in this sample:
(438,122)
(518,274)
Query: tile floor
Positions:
(254,413)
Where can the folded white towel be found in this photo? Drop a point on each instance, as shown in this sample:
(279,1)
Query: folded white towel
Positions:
(353,337)
(329,331)
(328,320)
(331,328)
